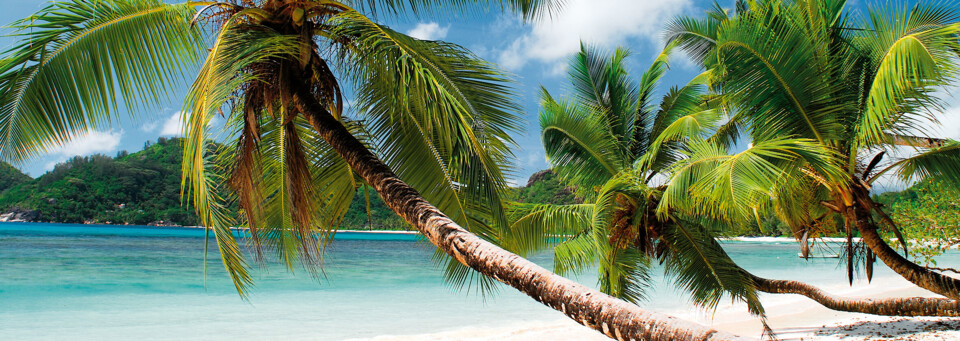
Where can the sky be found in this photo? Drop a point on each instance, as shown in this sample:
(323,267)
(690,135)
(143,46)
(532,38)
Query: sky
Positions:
(535,53)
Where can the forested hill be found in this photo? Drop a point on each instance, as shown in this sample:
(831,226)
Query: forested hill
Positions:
(10,176)
(138,188)
(543,187)
(144,188)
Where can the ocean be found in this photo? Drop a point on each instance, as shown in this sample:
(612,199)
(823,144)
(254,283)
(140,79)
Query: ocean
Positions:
(83,282)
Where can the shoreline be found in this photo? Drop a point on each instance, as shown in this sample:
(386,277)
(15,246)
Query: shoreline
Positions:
(407,232)
(792,317)
(163,227)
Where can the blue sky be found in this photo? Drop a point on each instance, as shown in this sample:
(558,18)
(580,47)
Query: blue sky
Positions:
(535,52)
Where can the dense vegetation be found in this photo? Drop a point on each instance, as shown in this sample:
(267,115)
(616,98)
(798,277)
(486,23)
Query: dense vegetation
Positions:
(929,216)
(144,188)
(543,187)
(10,176)
(139,188)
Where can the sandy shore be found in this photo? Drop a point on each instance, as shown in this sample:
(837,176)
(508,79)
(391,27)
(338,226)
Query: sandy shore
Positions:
(792,317)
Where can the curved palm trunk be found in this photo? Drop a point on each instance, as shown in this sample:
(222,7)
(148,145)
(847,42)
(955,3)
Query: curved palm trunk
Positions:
(908,306)
(916,274)
(859,215)
(613,317)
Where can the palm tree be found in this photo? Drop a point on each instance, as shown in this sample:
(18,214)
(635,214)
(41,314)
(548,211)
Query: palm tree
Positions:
(618,228)
(274,69)
(807,71)
(610,141)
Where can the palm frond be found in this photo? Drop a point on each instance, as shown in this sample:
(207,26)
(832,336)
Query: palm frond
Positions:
(914,51)
(442,119)
(685,113)
(528,9)
(578,145)
(728,187)
(76,58)
(600,82)
(442,116)
(700,266)
(222,75)
(941,162)
(537,226)
(696,36)
(645,106)
(207,194)
(778,76)
(624,269)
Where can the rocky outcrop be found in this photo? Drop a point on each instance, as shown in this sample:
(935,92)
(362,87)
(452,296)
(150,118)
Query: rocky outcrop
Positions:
(19,215)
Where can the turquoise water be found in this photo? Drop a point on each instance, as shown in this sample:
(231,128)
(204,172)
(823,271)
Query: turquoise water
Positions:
(84,282)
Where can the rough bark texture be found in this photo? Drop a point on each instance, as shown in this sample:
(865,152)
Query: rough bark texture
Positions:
(908,306)
(612,317)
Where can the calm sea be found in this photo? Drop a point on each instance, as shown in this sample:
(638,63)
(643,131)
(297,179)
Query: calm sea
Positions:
(82,282)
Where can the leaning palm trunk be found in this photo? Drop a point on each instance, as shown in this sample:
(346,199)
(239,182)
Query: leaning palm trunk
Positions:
(905,306)
(613,317)
(916,274)
(859,215)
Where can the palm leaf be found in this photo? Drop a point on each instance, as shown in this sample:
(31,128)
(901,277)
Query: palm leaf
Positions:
(700,266)
(941,162)
(537,226)
(528,9)
(696,36)
(914,51)
(578,145)
(685,113)
(76,58)
(600,82)
(778,75)
(220,78)
(442,116)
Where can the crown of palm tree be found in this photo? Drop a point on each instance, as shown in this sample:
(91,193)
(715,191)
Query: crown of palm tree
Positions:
(823,97)
(609,141)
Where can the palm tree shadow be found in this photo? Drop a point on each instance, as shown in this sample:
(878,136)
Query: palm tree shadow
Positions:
(890,328)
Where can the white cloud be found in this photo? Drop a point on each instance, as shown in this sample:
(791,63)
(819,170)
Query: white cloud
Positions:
(429,31)
(92,142)
(534,159)
(149,127)
(949,122)
(597,22)
(173,126)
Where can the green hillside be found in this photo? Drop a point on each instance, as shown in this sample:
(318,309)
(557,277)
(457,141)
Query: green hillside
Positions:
(928,214)
(10,176)
(138,188)
(144,188)
(543,187)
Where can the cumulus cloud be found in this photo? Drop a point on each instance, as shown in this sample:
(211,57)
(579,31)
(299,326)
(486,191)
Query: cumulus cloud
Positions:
(950,122)
(173,126)
(600,22)
(429,31)
(534,159)
(92,142)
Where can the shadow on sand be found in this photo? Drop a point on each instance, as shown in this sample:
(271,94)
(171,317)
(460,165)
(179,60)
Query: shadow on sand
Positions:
(896,328)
